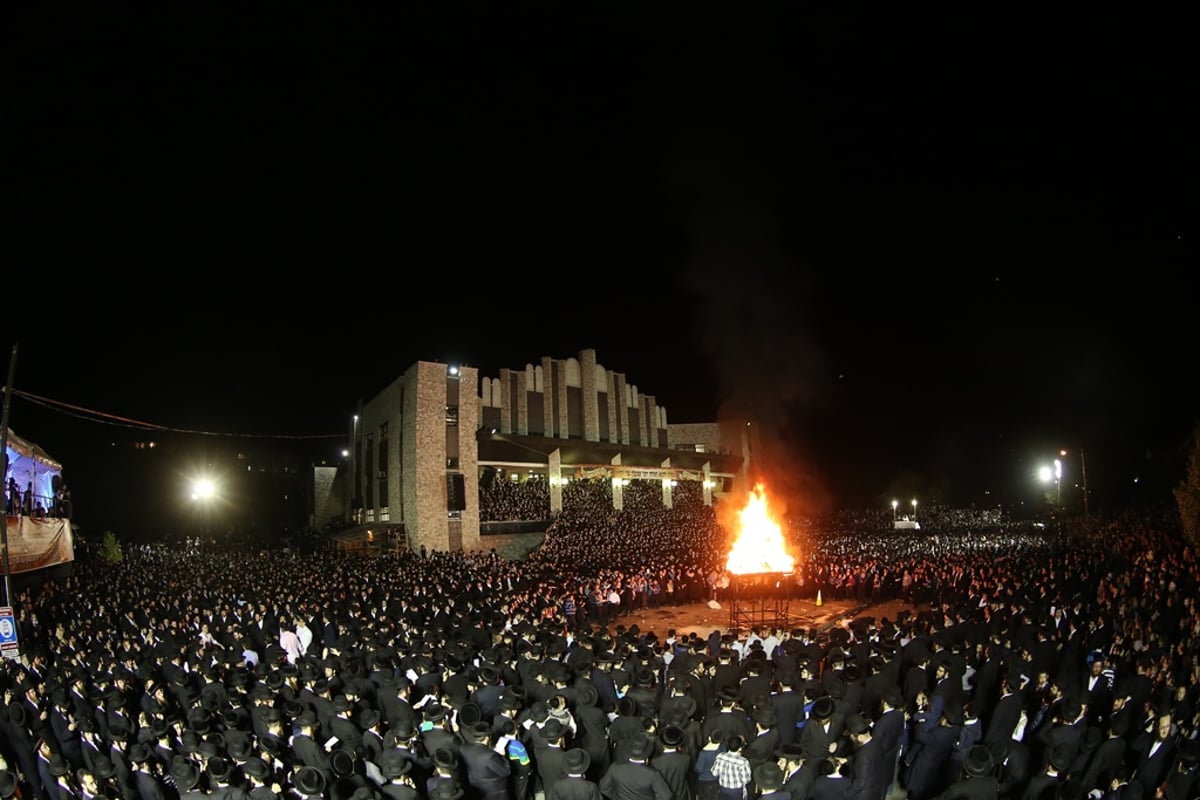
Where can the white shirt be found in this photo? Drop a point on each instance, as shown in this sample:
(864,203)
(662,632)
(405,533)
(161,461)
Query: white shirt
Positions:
(305,635)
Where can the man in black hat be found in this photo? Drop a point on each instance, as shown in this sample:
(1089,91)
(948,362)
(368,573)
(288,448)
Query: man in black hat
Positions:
(342,725)
(933,745)
(308,750)
(394,705)
(591,730)
(978,778)
(728,718)
(788,703)
(575,784)
(820,733)
(761,748)
(486,764)
(448,776)
(1184,781)
(1047,784)
(1154,752)
(549,741)
(185,774)
(397,781)
(1109,755)
(435,731)
(635,777)
(309,783)
(1012,768)
(768,778)
(674,762)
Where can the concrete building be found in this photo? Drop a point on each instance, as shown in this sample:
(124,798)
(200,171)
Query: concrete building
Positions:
(420,446)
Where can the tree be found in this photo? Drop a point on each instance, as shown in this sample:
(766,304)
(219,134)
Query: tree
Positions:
(1187,494)
(112,548)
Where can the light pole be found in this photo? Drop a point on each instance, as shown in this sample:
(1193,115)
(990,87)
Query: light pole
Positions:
(1058,481)
(1047,474)
(1083,472)
(914,502)
(894,504)
(1082,476)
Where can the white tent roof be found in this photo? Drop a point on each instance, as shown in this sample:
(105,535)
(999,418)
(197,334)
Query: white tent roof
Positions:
(26,448)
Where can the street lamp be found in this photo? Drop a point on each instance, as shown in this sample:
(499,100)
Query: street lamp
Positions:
(1058,480)
(914,502)
(1046,474)
(894,504)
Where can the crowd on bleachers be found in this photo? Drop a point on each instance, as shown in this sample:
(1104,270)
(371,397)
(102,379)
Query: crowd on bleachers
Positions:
(1058,663)
(502,499)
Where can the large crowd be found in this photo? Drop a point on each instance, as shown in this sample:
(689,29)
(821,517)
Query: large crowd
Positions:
(1046,663)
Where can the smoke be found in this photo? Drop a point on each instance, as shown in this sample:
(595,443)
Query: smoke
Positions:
(750,309)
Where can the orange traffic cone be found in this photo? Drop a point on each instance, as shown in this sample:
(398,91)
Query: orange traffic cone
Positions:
(819,601)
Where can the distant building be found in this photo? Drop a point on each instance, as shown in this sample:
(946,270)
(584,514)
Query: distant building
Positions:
(419,447)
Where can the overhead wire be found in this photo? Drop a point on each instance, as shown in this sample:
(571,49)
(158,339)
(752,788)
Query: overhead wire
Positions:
(105,418)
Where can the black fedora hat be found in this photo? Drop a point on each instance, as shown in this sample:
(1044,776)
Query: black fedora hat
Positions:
(641,748)
(341,762)
(393,764)
(470,714)
(979,761)
(671,735)
(8,783)
(446,789)
(822,708)
(186,774)
(256,768)
(768,776)
(309,781)
(446,759)
(59,765)
(576,761)
(479,732)
(102,767)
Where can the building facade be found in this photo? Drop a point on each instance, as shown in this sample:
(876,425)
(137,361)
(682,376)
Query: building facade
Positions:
(419,447)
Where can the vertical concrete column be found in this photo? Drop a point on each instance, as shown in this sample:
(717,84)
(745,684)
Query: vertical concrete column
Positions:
(668,493)
(650,415)
(708,481)
(618,489)
(547,396)
(562,424)
(615,399)
(522,403)
(427,445)
(468,454)
(622,408)
(591,403)
(506,385)
(554,470)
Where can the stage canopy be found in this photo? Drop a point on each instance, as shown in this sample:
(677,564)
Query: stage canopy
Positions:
(29,462)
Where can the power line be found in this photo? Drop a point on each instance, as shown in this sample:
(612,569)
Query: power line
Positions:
(104,418)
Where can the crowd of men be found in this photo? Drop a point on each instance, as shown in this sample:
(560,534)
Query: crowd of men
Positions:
(1060,663)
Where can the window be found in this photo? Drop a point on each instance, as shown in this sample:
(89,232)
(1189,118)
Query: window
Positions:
(452,415)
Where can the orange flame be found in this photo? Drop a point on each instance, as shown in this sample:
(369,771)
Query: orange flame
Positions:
(759,546)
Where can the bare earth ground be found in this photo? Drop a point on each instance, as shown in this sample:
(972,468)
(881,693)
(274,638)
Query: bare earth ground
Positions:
(703,620)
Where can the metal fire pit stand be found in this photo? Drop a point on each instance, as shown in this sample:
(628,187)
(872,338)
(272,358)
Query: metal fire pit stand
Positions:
(758,600)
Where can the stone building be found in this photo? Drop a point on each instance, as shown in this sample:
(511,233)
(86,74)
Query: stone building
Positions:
(420,446)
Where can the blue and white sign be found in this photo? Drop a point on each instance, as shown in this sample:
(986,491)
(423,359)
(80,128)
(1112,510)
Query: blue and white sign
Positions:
(8,634)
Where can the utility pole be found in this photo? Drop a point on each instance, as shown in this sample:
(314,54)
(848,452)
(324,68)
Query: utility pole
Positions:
(12,368)
(1083,471)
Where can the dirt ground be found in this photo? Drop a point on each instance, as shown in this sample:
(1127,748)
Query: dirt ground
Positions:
(703,619)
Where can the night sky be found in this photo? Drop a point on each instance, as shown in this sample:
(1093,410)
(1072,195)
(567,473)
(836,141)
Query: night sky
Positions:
(926,252)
